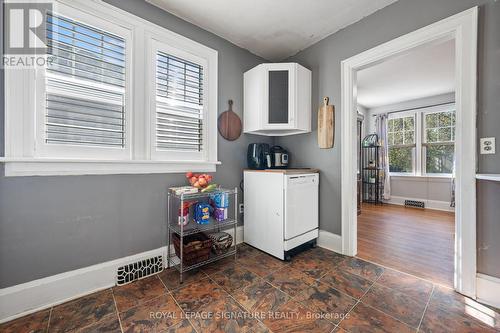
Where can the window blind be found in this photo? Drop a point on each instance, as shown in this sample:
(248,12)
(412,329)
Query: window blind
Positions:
(85,85)
(179,104)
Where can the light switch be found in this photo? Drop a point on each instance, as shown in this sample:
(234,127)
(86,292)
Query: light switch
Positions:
(487,145)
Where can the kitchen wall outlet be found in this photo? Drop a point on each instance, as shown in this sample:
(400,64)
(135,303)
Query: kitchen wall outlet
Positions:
(241,208)
(487,145)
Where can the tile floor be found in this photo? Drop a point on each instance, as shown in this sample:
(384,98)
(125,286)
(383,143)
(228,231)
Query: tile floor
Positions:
(319,291)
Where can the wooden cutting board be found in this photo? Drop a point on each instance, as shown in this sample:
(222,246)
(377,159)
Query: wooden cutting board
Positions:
(229,124)
(326,124)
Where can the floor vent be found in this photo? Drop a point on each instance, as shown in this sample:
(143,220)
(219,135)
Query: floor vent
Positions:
(414,204)
(138,270)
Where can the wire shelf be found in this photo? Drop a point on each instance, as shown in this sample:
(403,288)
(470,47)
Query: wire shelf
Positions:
(199,195)
(192,227)
(175,261)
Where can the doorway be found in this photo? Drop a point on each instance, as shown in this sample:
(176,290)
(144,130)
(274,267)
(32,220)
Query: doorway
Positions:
(406,112)
(462,29)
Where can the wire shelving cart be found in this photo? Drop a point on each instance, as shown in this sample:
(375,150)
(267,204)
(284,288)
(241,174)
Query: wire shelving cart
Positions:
(175,201)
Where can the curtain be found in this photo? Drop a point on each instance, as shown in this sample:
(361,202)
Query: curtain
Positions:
(381,128)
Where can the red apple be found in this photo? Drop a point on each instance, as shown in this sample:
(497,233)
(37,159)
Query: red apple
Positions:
(189,175)
(202,181)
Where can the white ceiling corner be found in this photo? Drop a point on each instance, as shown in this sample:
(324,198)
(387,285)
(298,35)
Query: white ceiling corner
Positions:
(274,30)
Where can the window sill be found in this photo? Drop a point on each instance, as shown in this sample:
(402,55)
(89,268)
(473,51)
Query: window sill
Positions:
(62,167)
(423,178)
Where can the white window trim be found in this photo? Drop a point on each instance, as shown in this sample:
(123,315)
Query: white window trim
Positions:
(43,150)
(21,155)
(418,153)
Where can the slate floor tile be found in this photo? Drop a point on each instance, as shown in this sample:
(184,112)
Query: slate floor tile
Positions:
(225,315)
(261,264)
(351,284)
(155,315)
(36,323)
(410,285)
(395,304)
(437,319)
(327,300)
(315,268)
(295,317)
(220,265)
(289,280)
(170,277)
(234,278)
(260,296)
(361,268)
(457,304)
(196,296)
(110,324)
(82,312)
(138,292)
(367,319)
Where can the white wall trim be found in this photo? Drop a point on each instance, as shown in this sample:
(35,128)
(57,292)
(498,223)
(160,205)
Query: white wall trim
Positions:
(488,290)
(463,28)
(429,204)
(40,294)
(63,167)
(330,241)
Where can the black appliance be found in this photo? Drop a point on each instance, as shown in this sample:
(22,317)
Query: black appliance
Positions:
(279,157)
(258,156)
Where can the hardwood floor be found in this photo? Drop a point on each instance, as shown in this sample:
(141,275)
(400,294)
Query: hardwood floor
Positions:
(414,241)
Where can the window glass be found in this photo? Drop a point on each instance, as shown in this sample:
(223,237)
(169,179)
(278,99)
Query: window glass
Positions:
(439,142)
(401,138)
(85,85)
(179,104)
(401,159)
(439,158)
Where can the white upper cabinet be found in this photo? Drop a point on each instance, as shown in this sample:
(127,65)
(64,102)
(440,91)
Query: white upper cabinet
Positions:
(277,99)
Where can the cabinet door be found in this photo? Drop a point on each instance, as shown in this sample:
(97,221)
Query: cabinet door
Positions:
(279,99)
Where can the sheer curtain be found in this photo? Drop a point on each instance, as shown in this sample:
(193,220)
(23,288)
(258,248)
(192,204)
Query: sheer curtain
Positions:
(381,128)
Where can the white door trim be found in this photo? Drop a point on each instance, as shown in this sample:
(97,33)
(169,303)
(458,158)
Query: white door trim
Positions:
(463,28)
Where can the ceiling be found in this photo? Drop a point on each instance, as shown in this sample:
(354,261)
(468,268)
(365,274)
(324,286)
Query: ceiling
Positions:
(423,72)
(272,29)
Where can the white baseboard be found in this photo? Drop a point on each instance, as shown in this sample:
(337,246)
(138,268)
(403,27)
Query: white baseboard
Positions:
(488,290)
(33,296)
(429,204)
(330,241)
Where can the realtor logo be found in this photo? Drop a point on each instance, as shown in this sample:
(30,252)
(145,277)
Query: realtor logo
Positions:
(25,34)
(25,25)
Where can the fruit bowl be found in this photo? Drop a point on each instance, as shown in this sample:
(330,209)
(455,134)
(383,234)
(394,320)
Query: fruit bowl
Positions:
(200,181)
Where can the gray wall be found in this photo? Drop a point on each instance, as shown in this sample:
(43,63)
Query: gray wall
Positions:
(400,18)
(425,188)
(50,225)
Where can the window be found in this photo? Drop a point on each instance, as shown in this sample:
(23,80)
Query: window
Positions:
(401,137)
(121,95)
(439,144)
(85,85)
(422,142)
(179,104)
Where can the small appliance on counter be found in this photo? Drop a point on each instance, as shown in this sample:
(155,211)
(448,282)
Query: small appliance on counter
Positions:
(258,156)
(279,157)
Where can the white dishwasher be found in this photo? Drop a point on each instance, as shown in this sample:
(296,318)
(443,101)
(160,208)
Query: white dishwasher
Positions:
(281,210)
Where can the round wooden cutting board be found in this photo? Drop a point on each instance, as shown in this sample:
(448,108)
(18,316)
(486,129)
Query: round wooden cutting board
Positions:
(229,124)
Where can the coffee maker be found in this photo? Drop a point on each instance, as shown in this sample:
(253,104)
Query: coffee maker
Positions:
(279,157)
